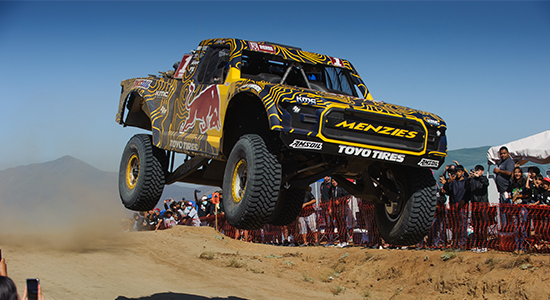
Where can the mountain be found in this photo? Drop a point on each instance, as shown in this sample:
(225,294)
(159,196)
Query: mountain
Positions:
(467,157)
(470,157)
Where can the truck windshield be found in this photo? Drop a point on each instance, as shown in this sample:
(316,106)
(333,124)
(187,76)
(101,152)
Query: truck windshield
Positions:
(271,68)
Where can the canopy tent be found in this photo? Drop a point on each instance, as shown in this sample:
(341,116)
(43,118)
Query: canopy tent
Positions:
(535,148)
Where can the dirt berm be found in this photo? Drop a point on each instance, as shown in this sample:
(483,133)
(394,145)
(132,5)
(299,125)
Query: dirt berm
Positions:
(200,263)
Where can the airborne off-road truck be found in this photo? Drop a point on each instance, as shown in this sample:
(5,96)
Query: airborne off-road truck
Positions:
(263,121)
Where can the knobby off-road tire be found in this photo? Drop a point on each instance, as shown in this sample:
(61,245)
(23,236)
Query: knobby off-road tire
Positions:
(251,183)
(288,206)
(418,202)
(141,174)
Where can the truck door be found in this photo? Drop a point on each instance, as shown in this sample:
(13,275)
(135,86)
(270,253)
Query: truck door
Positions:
(201,120)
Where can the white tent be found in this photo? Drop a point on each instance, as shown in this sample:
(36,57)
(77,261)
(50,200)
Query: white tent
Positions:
(535,148)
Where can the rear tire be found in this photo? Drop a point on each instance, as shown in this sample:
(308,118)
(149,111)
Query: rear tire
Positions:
(141,174)
(288,206)
(251,183)
(416,208)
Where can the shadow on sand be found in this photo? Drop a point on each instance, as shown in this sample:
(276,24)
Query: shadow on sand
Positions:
(178,296)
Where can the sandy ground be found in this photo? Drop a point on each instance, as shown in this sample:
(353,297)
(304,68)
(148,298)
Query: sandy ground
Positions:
(199,263)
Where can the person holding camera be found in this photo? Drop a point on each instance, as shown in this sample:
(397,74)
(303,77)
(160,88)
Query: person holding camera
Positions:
(455,188)
(8,290)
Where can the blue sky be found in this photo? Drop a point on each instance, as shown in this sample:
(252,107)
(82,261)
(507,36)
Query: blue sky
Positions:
(484,67)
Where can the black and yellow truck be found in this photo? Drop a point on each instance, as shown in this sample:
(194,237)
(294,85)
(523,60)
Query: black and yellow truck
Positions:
(263,121)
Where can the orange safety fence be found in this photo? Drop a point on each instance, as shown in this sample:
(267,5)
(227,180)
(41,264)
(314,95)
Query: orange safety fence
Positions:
(504,227)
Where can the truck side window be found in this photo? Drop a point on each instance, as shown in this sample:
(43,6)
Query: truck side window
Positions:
(214,66)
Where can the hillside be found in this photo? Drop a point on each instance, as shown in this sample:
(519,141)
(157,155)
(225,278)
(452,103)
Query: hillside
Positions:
(470,157)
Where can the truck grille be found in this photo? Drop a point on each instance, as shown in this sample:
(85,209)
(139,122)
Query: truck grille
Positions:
(374,129)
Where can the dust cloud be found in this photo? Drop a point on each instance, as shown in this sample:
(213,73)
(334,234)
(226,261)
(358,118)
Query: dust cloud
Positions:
(80,219)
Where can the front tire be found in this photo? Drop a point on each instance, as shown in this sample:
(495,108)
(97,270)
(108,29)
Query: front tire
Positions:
(410,221)
(251,183)
(141,174)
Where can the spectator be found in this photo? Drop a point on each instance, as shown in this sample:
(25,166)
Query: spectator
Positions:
(537,190)
(503,173)
(326,189)
(307,218)
(220,205)
(175,207)
(545,199)
(168,221)
(8,290)
(477,185)
(202,207)
(324,215)
(138,222)
(338,210)
(519,194)
(155,218)
(168,203)
(438,234)
(532,171)
(455,188)
(517,189)
(191,216)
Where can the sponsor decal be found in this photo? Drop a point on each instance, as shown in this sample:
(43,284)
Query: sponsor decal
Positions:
(190,146)
(386,130)
(337,62)
(204,108)
(432,122)
(255,87)
(161,94)
(306,100)
(432,163)
(369,153)
(163,110)
(184,145)
(261,47)
(183,65)
(299,144)
(142,83)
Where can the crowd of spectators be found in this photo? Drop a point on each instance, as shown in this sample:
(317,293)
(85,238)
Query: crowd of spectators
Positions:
(468,194)
(181,212)
(338,219)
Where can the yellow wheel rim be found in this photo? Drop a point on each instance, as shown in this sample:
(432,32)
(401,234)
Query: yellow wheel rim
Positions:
(132,171)
(239,180)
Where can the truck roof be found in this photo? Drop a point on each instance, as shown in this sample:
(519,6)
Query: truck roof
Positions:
(286,52)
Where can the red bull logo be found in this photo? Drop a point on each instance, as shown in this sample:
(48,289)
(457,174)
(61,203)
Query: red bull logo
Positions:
(204,108)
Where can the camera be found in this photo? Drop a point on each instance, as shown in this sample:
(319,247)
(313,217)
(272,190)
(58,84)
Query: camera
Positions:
(32,288)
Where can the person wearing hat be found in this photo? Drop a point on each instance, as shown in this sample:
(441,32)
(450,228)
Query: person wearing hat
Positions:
(201,204)
(191,217)
(168,221)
